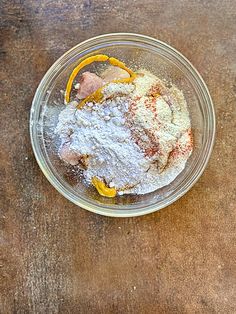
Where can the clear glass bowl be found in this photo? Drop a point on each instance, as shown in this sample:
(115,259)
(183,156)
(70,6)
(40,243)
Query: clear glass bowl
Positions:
(137,51)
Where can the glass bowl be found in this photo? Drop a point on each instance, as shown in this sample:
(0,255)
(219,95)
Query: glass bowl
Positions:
(137,51)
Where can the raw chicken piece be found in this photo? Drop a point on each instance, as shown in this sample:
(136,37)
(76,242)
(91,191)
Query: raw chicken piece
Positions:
(68,155)
(114,73)
(89,83)
(72,157)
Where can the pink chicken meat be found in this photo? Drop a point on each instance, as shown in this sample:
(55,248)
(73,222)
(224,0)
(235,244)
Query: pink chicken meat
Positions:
(89,83)
(114,73)
(69,155)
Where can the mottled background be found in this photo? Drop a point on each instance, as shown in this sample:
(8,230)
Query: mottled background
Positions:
(58,258)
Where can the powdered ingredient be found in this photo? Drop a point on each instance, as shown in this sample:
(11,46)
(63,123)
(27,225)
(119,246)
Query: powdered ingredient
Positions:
(137,143)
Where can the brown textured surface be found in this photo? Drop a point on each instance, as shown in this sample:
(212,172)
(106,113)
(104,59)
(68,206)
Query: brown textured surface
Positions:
(57,258)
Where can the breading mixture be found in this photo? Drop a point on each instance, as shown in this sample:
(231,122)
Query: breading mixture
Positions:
(136,139)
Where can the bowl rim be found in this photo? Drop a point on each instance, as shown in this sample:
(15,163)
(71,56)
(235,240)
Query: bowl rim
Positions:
(80,202)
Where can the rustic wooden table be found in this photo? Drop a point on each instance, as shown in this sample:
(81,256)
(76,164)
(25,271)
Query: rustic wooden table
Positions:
(58,258)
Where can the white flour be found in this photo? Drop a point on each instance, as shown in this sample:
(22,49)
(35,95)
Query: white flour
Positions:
(137,146)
